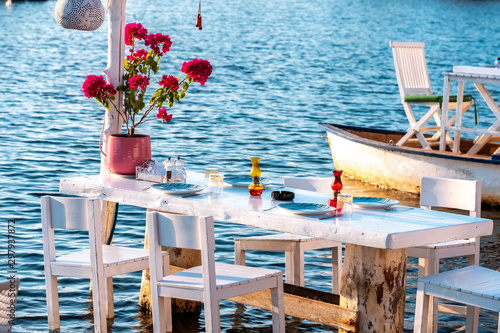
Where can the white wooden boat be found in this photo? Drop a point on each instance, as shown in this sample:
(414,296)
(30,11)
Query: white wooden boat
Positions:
(371,155)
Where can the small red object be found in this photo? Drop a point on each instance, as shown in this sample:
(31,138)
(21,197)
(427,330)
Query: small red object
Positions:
(198,21)
(336,187)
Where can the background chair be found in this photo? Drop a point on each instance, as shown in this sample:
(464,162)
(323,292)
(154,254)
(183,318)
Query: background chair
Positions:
(208,283)
(98,262)
(415,89)
(8,297)
(473,285)
(454,194)
(294,246)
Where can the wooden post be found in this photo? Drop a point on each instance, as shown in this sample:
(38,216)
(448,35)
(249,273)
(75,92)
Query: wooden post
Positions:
(114,71)
(374,282)
(183,258)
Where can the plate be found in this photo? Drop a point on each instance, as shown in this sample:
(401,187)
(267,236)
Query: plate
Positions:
(244,180)
(373,202)
(177,188)
(302,208)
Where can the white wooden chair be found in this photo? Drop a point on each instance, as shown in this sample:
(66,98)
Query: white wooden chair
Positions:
(208,283)
(8,297)
(454,194)
(474,286)
(294,246)
(98,262)
(415,88)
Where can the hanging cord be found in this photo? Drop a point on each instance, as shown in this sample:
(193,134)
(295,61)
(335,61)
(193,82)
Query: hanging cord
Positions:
(198,18)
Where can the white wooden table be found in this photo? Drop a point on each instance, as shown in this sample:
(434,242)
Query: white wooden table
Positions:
(479,76)
(374,275)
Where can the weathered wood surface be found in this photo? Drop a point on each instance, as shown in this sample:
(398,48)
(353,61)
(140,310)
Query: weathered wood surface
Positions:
(374,282)
(305,308)
(109,211)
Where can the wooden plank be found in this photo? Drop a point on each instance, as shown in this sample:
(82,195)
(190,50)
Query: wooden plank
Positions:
(300,307)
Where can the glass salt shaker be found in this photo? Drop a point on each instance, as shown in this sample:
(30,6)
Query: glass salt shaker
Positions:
(168,171)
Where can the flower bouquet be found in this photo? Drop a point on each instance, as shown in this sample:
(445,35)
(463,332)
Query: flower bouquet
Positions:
(140,66)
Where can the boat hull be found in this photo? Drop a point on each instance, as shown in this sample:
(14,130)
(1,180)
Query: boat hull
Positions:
(401,168)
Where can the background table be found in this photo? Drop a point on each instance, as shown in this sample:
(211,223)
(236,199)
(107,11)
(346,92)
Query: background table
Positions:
(478,76)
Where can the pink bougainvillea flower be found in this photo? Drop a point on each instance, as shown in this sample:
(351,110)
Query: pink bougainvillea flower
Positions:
(133,31)
(163,115)
(169,81)
(93,84)
(109,89)
(139,81)
(197,69)
(156,40)
(138,56)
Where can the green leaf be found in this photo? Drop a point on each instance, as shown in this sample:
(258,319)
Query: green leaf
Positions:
(182,94)
(185,86)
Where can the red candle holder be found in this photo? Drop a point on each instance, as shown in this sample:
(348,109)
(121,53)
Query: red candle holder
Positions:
(337,186)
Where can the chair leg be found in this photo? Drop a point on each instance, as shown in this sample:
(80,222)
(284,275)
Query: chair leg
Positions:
(278,306)
(52,301)
(161,308)
(421,310)
(472,319)
(430,266)
(239,254)
(212,316)
(110,305)
(294,265)
(473,312)
(336,269)
(100,307)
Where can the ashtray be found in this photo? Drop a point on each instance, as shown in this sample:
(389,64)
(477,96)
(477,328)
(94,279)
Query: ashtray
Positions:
(282,195)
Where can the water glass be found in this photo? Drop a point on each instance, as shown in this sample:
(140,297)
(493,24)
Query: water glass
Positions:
(208,172)
(216,185)
(344,204)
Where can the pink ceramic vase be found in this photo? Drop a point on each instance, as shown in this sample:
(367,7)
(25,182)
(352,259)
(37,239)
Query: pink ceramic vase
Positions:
(126,152)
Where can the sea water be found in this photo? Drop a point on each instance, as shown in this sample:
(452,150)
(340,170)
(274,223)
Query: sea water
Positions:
(280,67)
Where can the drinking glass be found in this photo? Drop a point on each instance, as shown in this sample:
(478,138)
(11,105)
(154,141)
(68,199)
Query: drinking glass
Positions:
(344,204)
(216,185)
(208,172)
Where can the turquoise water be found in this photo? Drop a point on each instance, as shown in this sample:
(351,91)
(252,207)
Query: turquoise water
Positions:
(280,67)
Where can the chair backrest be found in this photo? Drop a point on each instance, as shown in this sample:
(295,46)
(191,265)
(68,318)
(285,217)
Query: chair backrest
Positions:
(72,214)
(451,193)
(411,68)
(183,231)
(65,213)
(316,184)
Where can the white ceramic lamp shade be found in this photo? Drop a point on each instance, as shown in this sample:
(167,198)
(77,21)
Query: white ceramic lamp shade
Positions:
(80,14)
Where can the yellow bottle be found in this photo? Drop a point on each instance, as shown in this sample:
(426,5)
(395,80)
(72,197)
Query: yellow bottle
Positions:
(255,188)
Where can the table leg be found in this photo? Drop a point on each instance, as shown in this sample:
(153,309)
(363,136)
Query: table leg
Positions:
(374,282)
(458,117)
(444,117)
